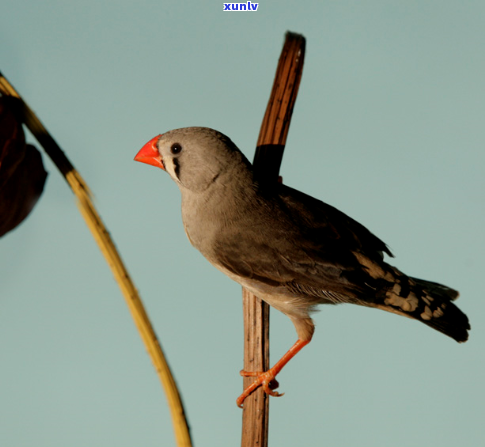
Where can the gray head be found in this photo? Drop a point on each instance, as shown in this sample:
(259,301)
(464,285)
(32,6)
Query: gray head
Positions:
(195,157)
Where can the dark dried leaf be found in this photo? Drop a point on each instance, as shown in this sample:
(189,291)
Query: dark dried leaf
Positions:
(22,174)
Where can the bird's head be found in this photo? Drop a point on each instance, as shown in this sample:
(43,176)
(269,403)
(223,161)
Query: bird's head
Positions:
(195,157)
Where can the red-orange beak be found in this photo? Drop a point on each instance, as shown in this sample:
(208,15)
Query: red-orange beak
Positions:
(149,154)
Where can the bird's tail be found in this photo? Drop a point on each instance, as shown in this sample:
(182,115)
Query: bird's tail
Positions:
(453,322)
(428,302)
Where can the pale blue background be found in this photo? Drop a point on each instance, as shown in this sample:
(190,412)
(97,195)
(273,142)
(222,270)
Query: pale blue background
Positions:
(388,127)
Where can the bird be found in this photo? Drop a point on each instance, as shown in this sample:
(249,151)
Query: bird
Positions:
(289,249)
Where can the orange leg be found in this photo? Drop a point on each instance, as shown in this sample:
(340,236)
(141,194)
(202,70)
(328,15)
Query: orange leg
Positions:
(267,379)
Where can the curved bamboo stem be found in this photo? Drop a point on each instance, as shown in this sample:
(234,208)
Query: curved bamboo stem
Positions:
(113,258)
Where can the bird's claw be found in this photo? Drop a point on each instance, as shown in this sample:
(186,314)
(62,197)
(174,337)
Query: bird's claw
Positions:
(250,373)
(264,379)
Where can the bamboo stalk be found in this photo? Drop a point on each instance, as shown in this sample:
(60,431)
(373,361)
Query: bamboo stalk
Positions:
(267,162)
(108,248)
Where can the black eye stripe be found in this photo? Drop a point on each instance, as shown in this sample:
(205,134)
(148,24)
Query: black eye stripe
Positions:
(176,148)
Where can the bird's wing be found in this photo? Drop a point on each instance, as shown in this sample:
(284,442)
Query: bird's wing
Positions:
(326,222)
(303,245)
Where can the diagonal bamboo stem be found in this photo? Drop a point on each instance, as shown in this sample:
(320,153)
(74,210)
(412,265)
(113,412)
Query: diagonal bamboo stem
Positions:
(108,248)
(267,161)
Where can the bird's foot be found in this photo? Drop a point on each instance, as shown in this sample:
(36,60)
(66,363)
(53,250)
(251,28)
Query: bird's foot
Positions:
(264,379)
(267,379)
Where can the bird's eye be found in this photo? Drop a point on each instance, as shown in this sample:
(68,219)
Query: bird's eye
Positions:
(176,148)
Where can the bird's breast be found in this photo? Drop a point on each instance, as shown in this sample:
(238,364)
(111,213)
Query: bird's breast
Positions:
(217,217)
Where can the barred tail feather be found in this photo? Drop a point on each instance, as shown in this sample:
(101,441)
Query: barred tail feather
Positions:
(428,302)
(450,320)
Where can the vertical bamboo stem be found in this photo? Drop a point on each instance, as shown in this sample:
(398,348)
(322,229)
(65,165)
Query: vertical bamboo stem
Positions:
(267,162)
